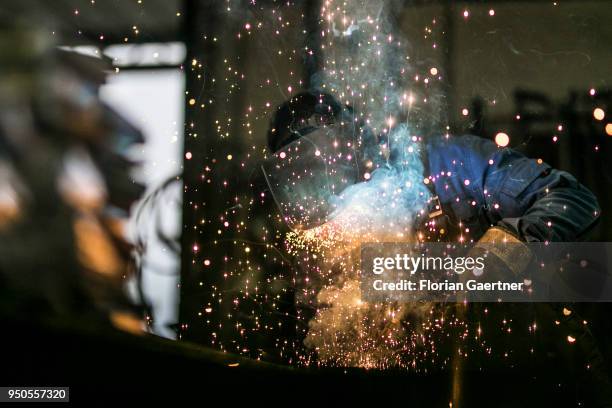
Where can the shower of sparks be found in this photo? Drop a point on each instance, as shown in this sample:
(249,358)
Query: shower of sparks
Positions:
(367,67)
(365,64)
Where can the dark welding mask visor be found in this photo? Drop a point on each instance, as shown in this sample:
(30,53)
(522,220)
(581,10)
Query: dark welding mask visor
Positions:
(307,176)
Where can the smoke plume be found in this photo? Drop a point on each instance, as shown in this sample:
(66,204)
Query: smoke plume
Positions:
(364,64)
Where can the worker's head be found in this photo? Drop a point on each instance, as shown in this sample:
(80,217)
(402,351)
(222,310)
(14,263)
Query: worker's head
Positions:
(303,114)
(320,147)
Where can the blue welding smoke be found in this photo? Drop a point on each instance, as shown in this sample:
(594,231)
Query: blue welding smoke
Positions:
(365,65)
(394,194)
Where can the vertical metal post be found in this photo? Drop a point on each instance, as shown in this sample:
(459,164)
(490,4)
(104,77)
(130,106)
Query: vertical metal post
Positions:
(313,54)
(201,21)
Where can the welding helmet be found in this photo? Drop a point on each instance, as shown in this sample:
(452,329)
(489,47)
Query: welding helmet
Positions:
(317,152)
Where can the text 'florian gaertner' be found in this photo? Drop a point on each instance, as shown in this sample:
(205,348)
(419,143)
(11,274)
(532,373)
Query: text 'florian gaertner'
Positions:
(428,285)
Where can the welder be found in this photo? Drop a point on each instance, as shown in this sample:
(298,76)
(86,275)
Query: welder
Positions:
(479,192)
(486,189)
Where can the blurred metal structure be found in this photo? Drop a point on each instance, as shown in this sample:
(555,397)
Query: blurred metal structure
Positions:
(65,186)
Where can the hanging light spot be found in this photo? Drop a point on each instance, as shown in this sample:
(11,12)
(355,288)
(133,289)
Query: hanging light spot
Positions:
(599,114)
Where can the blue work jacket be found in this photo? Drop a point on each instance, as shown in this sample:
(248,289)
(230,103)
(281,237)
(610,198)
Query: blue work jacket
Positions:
(480,185)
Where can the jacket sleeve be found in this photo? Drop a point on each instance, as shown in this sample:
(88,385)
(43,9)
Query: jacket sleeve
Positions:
(529,198)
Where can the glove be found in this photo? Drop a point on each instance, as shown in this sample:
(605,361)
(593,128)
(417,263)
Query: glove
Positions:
(506,258)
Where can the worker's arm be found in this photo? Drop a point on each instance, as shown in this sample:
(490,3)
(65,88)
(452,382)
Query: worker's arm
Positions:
(530,199)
